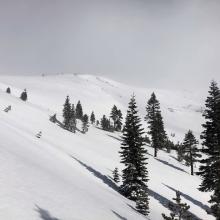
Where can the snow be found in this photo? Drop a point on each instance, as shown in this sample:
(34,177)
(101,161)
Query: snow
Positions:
(68,176)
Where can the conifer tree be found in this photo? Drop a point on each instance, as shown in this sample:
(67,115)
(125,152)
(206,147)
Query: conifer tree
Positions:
(118,121)
(142,202)
(79,111)
(155,124)
(67,113)
(210,165)
(105,123)
(191,152)
(23,96)
(8,90)
(85,123)
(113,115)
(72,123)
(133,156)
(92,118)
(116,117)
(179,210)
(116,175)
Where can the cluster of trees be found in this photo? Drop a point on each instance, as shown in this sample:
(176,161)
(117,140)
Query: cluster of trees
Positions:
(133,154)
(23,95)
(71,114)
(116,117)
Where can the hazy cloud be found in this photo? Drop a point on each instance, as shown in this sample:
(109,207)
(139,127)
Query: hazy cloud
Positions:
(146,42)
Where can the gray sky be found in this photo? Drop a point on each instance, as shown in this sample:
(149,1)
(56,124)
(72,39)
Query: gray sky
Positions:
(154,43)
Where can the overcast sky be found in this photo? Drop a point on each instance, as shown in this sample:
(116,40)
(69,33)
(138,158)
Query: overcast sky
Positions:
(154,43)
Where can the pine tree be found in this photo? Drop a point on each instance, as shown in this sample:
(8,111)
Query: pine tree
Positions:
(8,90)
(72,122)
(155,124)
(92,118)
(210,165)
(23,96)
(179,211)
(113,115)
(116,175)
(105,123)
(191,152)
(85,123)
(135,174)
(67,113)
(79,111)
(118,121)
(116,117)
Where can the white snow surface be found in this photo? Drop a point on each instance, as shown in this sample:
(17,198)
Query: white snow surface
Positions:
(66,176)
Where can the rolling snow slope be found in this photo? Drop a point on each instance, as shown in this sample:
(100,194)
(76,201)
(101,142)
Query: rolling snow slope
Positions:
(67,176)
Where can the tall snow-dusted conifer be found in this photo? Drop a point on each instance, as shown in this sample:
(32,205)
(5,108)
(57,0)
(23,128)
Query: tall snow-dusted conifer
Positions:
(210,165)
(191,152)
(155,124)
(79,111)
(66,113)
(133,156)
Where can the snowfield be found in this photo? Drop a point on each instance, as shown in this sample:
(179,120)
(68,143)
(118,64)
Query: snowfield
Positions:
(66,176)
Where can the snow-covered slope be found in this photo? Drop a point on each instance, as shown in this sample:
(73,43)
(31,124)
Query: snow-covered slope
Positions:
(67,176)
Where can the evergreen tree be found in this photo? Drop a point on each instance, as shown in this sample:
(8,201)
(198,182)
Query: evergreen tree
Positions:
(23,96)
(85,123)
(179,211)
(210,165)
(105,123)
(92,118)
(113,115)
(67,113)
(142,202)
(72,123)
(97,123)
(116,117)
(8,90)
(79,111)
(155,124)
(191,152)
(135,174)
(116,175)
(118,121)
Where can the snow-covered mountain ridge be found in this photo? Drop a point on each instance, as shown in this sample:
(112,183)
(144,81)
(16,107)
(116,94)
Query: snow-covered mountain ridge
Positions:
(67,176)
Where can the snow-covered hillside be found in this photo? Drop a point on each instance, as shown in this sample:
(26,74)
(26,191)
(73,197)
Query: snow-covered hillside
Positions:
(67,176)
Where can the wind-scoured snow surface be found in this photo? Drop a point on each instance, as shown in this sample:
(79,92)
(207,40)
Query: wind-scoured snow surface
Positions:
(65,176)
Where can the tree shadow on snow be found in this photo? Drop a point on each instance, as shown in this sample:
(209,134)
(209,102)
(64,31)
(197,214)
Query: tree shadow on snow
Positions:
(194,201)
(116,138)
(165,202)
(44,214)
(170,165)
(105,179)
(119,216)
